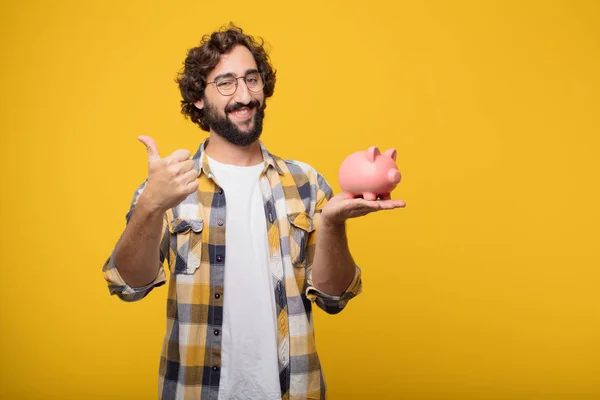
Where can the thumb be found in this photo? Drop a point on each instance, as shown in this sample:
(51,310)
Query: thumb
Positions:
(150,147)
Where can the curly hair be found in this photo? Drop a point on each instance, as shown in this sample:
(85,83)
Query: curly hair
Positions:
(202,59)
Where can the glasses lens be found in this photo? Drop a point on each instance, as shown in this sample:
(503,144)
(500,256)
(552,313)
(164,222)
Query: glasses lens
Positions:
(254,82)
(226,86)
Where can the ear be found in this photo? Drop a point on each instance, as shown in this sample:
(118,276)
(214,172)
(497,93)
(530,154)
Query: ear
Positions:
(391,153)
(372,153)
(199,104)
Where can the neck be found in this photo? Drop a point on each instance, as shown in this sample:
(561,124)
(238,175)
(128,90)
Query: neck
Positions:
(224,152)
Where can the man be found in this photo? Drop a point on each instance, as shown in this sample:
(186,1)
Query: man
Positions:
(238,228)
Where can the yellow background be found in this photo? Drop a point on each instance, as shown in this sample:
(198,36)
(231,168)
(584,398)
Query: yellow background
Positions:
(487,286)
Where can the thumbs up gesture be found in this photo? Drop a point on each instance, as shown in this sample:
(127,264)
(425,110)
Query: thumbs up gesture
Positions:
(170,179)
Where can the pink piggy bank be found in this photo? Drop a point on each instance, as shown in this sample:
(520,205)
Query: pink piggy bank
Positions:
(369,174)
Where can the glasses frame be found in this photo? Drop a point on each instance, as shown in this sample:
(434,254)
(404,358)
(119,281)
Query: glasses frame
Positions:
(236,84)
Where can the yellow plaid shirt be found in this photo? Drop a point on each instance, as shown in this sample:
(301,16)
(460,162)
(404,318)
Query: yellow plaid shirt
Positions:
(193,246)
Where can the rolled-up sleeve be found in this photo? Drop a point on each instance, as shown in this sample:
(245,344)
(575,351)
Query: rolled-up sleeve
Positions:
(116,285)
(334,304)
(328,303)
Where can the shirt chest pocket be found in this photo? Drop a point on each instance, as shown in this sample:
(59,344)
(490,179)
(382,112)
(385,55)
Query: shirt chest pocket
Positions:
(301,225)
(186,245)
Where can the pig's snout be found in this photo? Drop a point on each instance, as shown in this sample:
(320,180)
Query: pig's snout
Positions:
(394,176)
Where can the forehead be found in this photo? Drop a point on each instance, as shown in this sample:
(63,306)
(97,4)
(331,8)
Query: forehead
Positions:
(236,62)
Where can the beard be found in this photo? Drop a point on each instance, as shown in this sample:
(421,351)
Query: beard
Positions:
(229,131)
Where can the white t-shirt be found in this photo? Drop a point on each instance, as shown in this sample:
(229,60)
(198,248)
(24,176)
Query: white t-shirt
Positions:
(249,363)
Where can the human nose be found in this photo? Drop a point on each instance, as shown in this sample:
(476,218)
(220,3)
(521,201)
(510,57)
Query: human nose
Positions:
(242,94)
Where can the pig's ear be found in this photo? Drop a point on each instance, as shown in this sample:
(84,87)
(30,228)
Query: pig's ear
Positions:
(372,153)
(391,153)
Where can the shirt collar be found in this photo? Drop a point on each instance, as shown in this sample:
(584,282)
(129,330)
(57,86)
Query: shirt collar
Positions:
(201,162)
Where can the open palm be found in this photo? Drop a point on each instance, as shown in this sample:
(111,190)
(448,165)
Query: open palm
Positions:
(343,206)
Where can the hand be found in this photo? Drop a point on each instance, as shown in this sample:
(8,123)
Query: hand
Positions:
(343,206)
(170,179)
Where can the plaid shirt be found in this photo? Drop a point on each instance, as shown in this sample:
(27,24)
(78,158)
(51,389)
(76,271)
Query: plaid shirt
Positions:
(193,245)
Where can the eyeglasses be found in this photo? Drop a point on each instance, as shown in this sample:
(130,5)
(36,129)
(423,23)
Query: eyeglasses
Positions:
(228,85)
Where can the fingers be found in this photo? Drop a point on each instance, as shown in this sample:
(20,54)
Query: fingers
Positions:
(391,204)
(192,186)
(178,156)
(360,207)
(379,204)
(175,157)
(151,147)
(190,176)
(384,203)
(183,167)
(190,181)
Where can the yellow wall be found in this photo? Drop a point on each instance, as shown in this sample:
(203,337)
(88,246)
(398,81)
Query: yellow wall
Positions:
(487,286)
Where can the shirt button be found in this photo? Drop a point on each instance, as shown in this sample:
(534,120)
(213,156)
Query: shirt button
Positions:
(220,191)
(217,295)
(214,368)
(216,332)
(219,258)
(220,222)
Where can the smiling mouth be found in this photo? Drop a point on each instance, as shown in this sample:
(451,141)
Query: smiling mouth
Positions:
(242,113)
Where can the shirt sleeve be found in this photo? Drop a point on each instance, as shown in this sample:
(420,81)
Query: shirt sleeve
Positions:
(116,284)
(328,303)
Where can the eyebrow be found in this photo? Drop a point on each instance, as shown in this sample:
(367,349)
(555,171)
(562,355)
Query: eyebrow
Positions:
(230,75)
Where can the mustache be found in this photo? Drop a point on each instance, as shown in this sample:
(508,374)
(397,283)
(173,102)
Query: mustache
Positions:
(234,107)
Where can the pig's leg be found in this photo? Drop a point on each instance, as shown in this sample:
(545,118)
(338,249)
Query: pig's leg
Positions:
(385,197)
(369,196)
